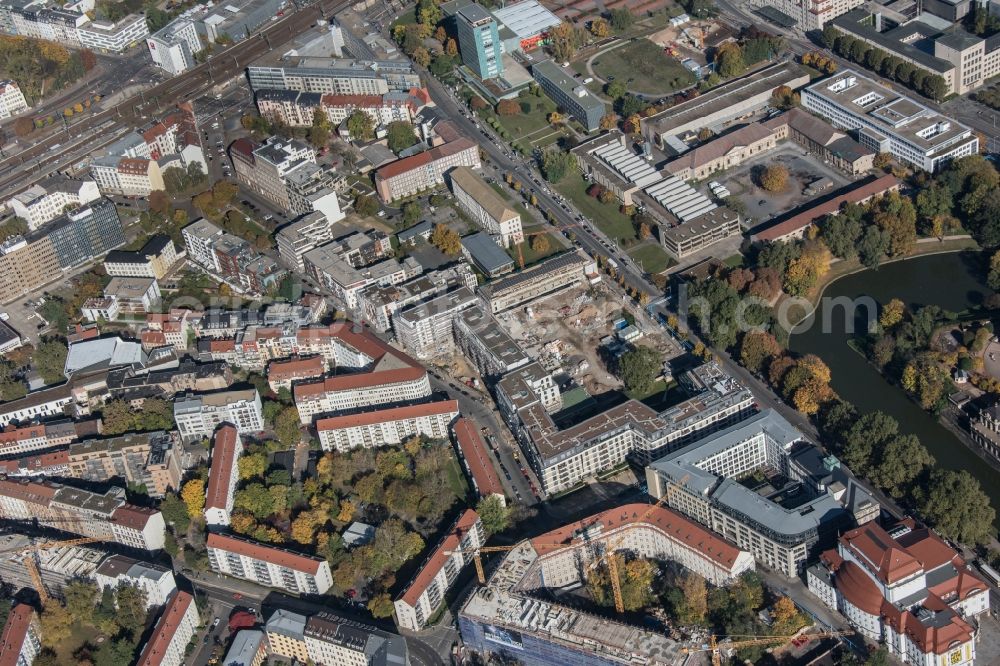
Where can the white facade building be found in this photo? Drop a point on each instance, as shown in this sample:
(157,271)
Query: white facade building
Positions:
(172,48)
(427,589)
(199,240)
(386,427)
(905,588)
(268,566)
(888,122)
(199,415)
(173,631)
(116,37)
(222,475)
(46,200)
(156,581)
(12,100)
(489,210)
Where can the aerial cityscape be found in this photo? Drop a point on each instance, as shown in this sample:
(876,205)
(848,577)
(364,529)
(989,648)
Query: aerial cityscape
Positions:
(499,332)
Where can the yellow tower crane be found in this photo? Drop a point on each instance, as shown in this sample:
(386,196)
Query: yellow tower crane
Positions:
(30,555)
(613,545)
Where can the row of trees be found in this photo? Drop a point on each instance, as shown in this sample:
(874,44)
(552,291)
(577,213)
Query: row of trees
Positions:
(40,66)
(882,62)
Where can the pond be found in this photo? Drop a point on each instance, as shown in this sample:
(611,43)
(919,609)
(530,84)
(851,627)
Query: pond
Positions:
(951,281)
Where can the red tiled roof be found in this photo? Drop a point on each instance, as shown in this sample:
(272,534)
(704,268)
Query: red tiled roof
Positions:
(166,627)
(440,555)
(244,148)
(860,590)
(224,445)
(675,526)
(807,217)
(937,638)
(270,554)
(153,338)
(38,462)
(133,165)
(131,516)
(296,368)
(28,491)
(474,453)
(21,434)
(387,415)
(14,633)
(886,558)
(222,345)
(406,164)
(358,380)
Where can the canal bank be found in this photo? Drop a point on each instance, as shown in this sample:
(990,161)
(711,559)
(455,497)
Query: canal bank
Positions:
(950,281)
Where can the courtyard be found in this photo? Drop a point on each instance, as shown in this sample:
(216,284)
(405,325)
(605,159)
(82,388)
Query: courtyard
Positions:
(803,169)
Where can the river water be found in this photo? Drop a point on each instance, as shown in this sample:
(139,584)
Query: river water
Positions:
(951,281)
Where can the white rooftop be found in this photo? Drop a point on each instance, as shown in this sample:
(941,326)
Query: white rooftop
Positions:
(527,18)
(680,199)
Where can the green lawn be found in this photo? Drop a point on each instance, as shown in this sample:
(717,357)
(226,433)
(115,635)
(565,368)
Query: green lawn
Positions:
(531,256)
(644,67)
(456,479)
(606,216)
(524,124)
(652,258)
(735,261)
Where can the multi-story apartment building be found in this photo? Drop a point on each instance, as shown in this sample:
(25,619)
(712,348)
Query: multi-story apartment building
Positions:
(12,100)
(701,232)
(155,258)
(107,517)
(484,342)
(386,427)
(563,457)
(113,37)
(172,48)
(155,580)
(333,76)
(542,279)
(425,329)
(199,241)
(888,122)
(135,386)
(425,170)
(569,93)
(248,648)
(394,378)
(426,591)
(506,617)
(782,534)
(476,461)
(175,627)
(46,200)
(227,446)
(332,641)
(199,415)
(487,208)
(285,373)
(149,459)
(14,441)
(378,303)
(810,15)
(31,261)
(20,640)
(126,176)
(53,24)
(267,565)
(328,266)
(301,236)
(286,635)
(284,171)
(479,41)
(298,109)
(906,588)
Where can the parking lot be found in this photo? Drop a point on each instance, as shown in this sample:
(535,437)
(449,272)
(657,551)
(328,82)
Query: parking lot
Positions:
(803,169)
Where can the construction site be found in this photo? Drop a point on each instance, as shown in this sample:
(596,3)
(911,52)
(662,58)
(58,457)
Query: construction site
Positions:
(566,338)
